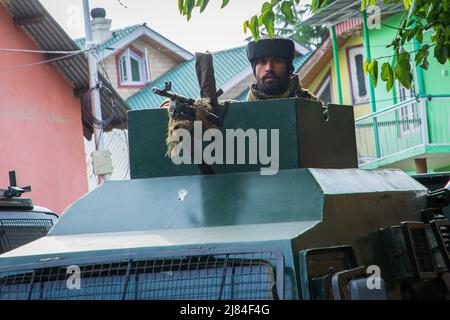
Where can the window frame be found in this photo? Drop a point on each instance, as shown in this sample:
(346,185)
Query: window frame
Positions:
(125,79)
(326,80)
(352,52)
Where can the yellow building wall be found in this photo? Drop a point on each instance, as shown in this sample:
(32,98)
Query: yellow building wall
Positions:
(360,110)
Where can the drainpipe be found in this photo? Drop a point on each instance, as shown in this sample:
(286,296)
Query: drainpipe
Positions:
(336,61)
(93,82)
(371,87)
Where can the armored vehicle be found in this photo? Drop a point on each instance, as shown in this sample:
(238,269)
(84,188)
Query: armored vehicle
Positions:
(21,222)
(316,227)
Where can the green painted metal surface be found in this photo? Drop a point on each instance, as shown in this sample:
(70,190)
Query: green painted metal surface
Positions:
(215,201)
(306,139)
(293,211)
(371,87)
(336,62)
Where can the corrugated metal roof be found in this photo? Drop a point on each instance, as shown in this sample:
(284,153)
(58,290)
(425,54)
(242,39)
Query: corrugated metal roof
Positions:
(338,11)
(49,36)
(299,61)
(227,64)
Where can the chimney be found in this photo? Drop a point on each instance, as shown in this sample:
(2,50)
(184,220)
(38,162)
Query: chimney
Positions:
(101,27)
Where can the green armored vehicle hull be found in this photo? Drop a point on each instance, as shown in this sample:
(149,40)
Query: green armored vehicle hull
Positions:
(333,232)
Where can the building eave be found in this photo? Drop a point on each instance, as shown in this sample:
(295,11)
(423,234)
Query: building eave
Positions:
(343,10)
(166,44)
(75,70)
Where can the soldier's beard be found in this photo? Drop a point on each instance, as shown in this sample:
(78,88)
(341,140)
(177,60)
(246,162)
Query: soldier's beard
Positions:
(277,87)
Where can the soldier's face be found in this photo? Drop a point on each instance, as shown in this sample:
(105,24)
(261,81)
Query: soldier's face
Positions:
(271,75)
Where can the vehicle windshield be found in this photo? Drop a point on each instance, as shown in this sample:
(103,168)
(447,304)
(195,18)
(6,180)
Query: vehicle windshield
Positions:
(16,231)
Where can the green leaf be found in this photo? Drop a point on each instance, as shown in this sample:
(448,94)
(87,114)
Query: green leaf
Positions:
(404,35)
(246,26)
(425,64)
(407,3)
(419,36)
(203,6)
(268,19)
(387,75)
(422,54)
(445,5)
(266,7)
(274,2)
(180,6)
(402,71)
(198,3)
(254,27)
(363,5)
(286,8)
(189,6)
(224,3)
(412,33)
(441,53)
(317,5)
(366,66)
(412,9)
(403,56)
(373,70)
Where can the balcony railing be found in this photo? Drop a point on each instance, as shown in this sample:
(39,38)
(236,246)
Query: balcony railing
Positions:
(403,127)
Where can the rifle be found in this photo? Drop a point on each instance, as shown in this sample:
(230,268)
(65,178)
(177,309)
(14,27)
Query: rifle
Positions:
(182,108)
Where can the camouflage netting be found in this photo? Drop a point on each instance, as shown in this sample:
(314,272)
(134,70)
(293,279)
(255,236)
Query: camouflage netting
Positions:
(203,108)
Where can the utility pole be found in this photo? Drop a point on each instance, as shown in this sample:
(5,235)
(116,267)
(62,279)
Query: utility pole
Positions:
(93,82)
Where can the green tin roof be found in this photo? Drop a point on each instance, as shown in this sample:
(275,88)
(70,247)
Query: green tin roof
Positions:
(298,63)
(117,36)
(227,65)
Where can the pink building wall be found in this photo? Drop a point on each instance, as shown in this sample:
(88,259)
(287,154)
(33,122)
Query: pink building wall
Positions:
(41,134)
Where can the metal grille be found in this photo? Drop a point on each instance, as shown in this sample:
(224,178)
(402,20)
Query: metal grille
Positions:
(232,276)
(441,230)
(15,233)
(422,250)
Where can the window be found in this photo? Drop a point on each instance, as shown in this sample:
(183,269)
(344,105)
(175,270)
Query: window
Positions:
(324,91)
(359,81)
(133,68)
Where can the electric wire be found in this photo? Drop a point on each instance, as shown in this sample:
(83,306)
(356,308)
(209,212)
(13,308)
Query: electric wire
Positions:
(30,65)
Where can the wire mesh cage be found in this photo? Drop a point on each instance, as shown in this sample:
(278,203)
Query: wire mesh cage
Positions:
(207,276)
(15,233)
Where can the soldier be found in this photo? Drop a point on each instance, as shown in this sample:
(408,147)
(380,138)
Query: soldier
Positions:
(271,61)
